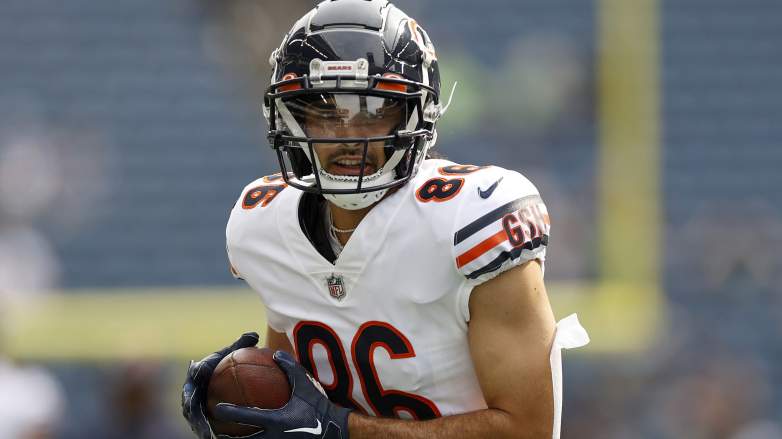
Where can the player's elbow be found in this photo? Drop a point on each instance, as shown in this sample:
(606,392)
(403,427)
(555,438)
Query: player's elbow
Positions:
(527,426)
(533,430)
(537,433)
(537,423)
(530,431)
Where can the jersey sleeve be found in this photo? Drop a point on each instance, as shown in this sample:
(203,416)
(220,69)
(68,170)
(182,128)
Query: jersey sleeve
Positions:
(229,231)
(251,217)
(234,272)
(504,223)
(254,197)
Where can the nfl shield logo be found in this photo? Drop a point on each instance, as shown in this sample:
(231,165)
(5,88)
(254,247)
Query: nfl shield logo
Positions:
(336,286)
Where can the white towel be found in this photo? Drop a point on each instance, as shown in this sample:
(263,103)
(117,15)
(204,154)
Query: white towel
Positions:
(569,334)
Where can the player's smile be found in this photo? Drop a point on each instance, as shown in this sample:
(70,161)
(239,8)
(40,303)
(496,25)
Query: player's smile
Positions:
(347,160)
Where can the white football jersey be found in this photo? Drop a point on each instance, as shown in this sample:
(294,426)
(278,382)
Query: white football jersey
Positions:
(384,328)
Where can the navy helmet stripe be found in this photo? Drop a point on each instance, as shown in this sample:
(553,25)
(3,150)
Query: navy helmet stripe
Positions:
(496,214)
(505,255)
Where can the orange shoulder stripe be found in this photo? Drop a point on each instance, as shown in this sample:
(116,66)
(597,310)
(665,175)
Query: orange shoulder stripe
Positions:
(481,248)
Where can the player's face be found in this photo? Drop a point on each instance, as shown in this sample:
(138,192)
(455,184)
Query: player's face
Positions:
(346,116)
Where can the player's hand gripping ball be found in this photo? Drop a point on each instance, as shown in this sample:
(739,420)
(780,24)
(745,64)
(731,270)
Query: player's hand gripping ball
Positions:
(308,415)
(246,377)
(195,388)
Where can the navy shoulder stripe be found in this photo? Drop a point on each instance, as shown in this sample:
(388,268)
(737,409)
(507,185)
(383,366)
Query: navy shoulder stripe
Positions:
(505,255)
(496,214)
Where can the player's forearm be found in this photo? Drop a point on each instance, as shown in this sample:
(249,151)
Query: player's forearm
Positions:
(482,424)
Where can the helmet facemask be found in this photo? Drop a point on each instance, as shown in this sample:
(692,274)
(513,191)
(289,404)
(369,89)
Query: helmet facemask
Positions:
(346,135)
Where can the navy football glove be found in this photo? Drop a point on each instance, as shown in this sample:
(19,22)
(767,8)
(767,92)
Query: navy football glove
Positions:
(197,383)
(308,415)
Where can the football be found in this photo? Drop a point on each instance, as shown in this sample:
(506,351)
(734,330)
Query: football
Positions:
(247,377)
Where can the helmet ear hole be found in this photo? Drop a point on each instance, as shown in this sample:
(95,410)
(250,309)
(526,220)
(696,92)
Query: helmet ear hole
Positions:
(403,166)
(299,162)
(407,164)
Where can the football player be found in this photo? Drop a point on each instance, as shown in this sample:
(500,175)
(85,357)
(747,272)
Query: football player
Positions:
(410,288)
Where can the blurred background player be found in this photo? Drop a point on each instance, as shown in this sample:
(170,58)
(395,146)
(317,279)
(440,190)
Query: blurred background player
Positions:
(31,402)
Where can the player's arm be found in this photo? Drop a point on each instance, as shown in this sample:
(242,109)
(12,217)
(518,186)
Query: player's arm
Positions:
(277,341)
(511,332)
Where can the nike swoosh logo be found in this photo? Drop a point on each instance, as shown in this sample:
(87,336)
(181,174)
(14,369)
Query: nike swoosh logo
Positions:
(487,193)
(316,431)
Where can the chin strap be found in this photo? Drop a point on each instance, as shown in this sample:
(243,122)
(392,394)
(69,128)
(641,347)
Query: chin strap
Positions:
(356,201)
